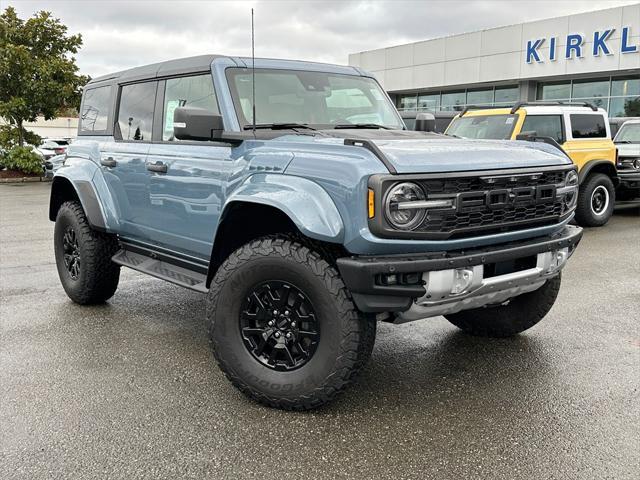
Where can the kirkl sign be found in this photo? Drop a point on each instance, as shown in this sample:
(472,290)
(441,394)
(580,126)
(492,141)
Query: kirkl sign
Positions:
(575,48)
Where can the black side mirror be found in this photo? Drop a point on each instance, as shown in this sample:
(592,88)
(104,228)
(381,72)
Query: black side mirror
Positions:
(529,135)
(425,122)
(192,123)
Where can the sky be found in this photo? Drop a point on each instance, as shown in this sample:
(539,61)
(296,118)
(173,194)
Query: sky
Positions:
(120,34)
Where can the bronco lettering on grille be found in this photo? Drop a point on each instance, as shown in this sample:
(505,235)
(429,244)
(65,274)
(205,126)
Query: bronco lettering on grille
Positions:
(504,197)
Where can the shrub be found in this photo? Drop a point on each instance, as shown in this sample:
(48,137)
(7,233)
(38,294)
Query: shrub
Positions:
(23,159)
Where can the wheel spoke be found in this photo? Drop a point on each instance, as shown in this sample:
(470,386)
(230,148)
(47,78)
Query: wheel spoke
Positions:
(290,358)
(249,331)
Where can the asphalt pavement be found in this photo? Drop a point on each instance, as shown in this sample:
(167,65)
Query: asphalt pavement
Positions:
(130,390)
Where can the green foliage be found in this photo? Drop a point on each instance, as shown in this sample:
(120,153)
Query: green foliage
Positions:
(38,73)
(10,137)
(22,159)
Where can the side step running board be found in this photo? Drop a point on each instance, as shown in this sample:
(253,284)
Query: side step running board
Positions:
(163,270)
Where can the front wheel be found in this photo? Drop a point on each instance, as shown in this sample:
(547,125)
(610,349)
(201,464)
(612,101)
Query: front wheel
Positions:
(517,315)
(283,327)
(596,200)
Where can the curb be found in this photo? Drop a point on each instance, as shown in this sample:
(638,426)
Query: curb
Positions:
(25,179)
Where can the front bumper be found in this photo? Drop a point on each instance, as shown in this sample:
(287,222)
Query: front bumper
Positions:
(453,281)
(630,180)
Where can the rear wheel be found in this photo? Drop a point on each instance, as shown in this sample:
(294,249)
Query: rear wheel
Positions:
(516,316)
(596,200)
(83,257)
(283,327)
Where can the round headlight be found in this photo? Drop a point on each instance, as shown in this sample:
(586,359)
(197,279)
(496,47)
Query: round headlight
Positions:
(401,216)
(571,179)
(636,164)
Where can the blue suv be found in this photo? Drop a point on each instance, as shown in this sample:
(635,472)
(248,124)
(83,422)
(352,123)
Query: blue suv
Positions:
(293,196)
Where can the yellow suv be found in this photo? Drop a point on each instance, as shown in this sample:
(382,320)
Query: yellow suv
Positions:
(581,130)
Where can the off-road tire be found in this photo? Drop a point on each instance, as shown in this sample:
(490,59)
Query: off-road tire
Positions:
(585,214)
(520,314)
(98,276)
(346,335)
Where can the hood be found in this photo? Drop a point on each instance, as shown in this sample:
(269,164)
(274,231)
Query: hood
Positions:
(417,152)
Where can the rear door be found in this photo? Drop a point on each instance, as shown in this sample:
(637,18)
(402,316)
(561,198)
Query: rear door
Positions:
(186,189)
(124,161)
(588,138)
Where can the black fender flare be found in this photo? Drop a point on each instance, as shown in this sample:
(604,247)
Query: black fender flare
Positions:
(602,166)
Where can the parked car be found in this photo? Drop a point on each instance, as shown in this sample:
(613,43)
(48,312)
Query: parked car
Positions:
(442,119)
(578,129)
(627,140)
(616,122)
(51,147)
(53,164)
(305,217)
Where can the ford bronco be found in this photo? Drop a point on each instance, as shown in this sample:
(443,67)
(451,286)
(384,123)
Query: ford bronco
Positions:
(292,195)
(579,129)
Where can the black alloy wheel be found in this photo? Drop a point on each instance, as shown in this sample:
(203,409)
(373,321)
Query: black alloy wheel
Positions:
(71,253)
(278,325)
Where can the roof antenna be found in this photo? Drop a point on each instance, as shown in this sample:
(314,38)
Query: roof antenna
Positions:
(253,76)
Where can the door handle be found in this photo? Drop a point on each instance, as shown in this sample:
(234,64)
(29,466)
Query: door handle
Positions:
(108,162)
(158,167)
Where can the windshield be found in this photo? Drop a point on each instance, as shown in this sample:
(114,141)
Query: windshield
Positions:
(493,127)
(320,100)
(629,133)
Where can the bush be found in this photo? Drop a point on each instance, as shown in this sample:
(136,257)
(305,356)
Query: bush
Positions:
(23,159)
(10,137)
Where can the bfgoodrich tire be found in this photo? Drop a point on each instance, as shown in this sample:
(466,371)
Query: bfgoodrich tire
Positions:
(283,327)
(596,200)
(520,314)
(83,257)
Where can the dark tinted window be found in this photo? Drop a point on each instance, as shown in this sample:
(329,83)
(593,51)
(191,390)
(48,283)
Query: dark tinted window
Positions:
(544,126)
(187,91)
(95,109)
(588,126)
(135,115)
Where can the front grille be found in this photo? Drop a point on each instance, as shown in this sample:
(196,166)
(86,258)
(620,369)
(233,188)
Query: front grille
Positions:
(476,184)
(477,217)
(484,203)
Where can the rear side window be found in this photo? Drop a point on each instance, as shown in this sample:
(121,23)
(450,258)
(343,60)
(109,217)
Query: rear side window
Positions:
(135,113)
(194,91)
(544,126)
(588,126)
(95,110)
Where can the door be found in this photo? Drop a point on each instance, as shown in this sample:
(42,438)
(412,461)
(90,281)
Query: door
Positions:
(124,161)
(186,191)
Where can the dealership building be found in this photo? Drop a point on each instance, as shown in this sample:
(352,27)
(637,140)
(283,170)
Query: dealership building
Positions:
(593,57)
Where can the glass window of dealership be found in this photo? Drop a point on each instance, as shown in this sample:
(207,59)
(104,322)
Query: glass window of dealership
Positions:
(620,96)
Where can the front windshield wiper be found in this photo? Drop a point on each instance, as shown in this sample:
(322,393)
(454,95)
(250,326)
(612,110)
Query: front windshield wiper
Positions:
(279,126)
(623,141)
(362,125)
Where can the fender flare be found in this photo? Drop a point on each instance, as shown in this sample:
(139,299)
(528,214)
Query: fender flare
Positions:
(589,166)
(85,192)
(305,202)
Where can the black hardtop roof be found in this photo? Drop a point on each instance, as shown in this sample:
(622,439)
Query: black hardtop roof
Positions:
(200,63)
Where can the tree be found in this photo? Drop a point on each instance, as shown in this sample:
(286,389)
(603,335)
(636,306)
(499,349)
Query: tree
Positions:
(38,74)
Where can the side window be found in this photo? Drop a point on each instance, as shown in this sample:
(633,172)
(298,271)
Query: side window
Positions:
(135,114)
(545,126)
(186,91)
(95,110)
(588,126)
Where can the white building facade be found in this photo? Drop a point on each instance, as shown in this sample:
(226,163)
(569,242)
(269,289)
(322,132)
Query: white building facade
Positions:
(593,57)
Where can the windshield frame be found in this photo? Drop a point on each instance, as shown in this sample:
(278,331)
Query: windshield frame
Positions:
(245,124)
(515,117)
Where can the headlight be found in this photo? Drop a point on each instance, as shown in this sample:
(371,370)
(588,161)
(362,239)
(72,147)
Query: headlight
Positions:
(571,180)
(404,218)
(636,164)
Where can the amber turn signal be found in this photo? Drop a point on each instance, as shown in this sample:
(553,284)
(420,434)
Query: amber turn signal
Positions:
(372,209)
